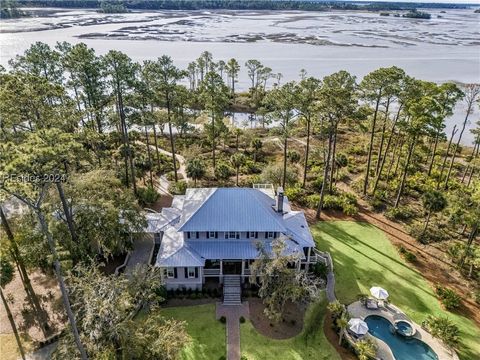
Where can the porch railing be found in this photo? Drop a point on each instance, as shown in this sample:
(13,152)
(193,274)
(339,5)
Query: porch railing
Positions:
(211,272)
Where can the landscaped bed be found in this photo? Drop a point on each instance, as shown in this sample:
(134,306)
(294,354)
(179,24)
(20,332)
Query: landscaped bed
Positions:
(310,344)
(364,257)
(208,334)
(290,325)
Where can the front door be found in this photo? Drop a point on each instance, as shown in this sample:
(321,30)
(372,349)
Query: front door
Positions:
(232,267)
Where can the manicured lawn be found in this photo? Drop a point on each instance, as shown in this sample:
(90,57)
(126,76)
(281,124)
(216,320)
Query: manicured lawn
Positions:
(258,347)
(364,257)
(208,334)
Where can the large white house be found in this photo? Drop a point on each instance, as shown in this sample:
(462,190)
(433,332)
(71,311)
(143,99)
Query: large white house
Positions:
(210,233)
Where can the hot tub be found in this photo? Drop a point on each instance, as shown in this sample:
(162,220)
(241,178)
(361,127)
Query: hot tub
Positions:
(404,328)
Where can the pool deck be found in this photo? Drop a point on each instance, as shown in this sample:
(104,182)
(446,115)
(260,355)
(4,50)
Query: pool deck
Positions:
(393,314)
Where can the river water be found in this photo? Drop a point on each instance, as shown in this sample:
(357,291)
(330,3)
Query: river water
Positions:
(445,48)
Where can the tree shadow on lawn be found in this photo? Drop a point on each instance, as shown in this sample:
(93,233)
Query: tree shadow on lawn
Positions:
(357,269)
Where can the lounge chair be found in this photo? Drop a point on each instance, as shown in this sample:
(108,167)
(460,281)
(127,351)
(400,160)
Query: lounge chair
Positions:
(371,304)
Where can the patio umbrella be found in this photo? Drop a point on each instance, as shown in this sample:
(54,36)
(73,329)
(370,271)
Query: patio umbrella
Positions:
(379,293)
(358,326)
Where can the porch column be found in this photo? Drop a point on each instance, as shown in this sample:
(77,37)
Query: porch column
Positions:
(201,275)
(221,272)
(299,265)
(307,264)
(243,271)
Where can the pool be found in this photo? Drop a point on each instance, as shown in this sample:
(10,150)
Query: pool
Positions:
(402,348)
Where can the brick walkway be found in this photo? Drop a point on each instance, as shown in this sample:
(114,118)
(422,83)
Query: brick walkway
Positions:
(233,313)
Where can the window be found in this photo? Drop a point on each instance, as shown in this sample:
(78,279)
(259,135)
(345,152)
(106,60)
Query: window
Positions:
(226,235)
(170,273)
(191,272)
(252,234)
(270,235)
(211,234)
(232,235)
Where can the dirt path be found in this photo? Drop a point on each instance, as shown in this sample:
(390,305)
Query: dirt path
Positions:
(279,141)
(162,184)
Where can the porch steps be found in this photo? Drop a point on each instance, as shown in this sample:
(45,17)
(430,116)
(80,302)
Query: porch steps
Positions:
(232,291)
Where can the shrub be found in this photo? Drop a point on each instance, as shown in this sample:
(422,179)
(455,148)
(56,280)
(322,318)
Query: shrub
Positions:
(223,171)
(443,329)
(178,188)
(293,156)
(320,270)
(332,202)
(476,296)
(357,150)
(377,204)
(274,174)
(407,255)
(223,319)
(147,196)
(449,298)
(313,200)
(350,210)
(161,293)
(250,167)
(317,184)
(401,213)
(242,319)
(295,194)
(431,235)
(344,201)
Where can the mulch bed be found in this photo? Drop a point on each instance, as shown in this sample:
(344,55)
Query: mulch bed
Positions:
(332,338)
(290,326)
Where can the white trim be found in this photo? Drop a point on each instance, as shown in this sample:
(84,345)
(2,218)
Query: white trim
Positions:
(188,272)
(168,273)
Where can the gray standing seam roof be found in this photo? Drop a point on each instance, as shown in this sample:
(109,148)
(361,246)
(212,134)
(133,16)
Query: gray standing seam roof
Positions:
(232,209)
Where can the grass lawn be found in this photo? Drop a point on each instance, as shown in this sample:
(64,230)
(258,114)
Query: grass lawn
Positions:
(208,334)
(364,257)
(258,347)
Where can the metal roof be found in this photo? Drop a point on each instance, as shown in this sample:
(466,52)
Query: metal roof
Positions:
(156,222)
(229,209)
(174,252)
(238,249)
(298,229)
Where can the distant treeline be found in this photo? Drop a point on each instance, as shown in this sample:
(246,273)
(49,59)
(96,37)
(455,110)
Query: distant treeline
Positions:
(9,10)
(239,5)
